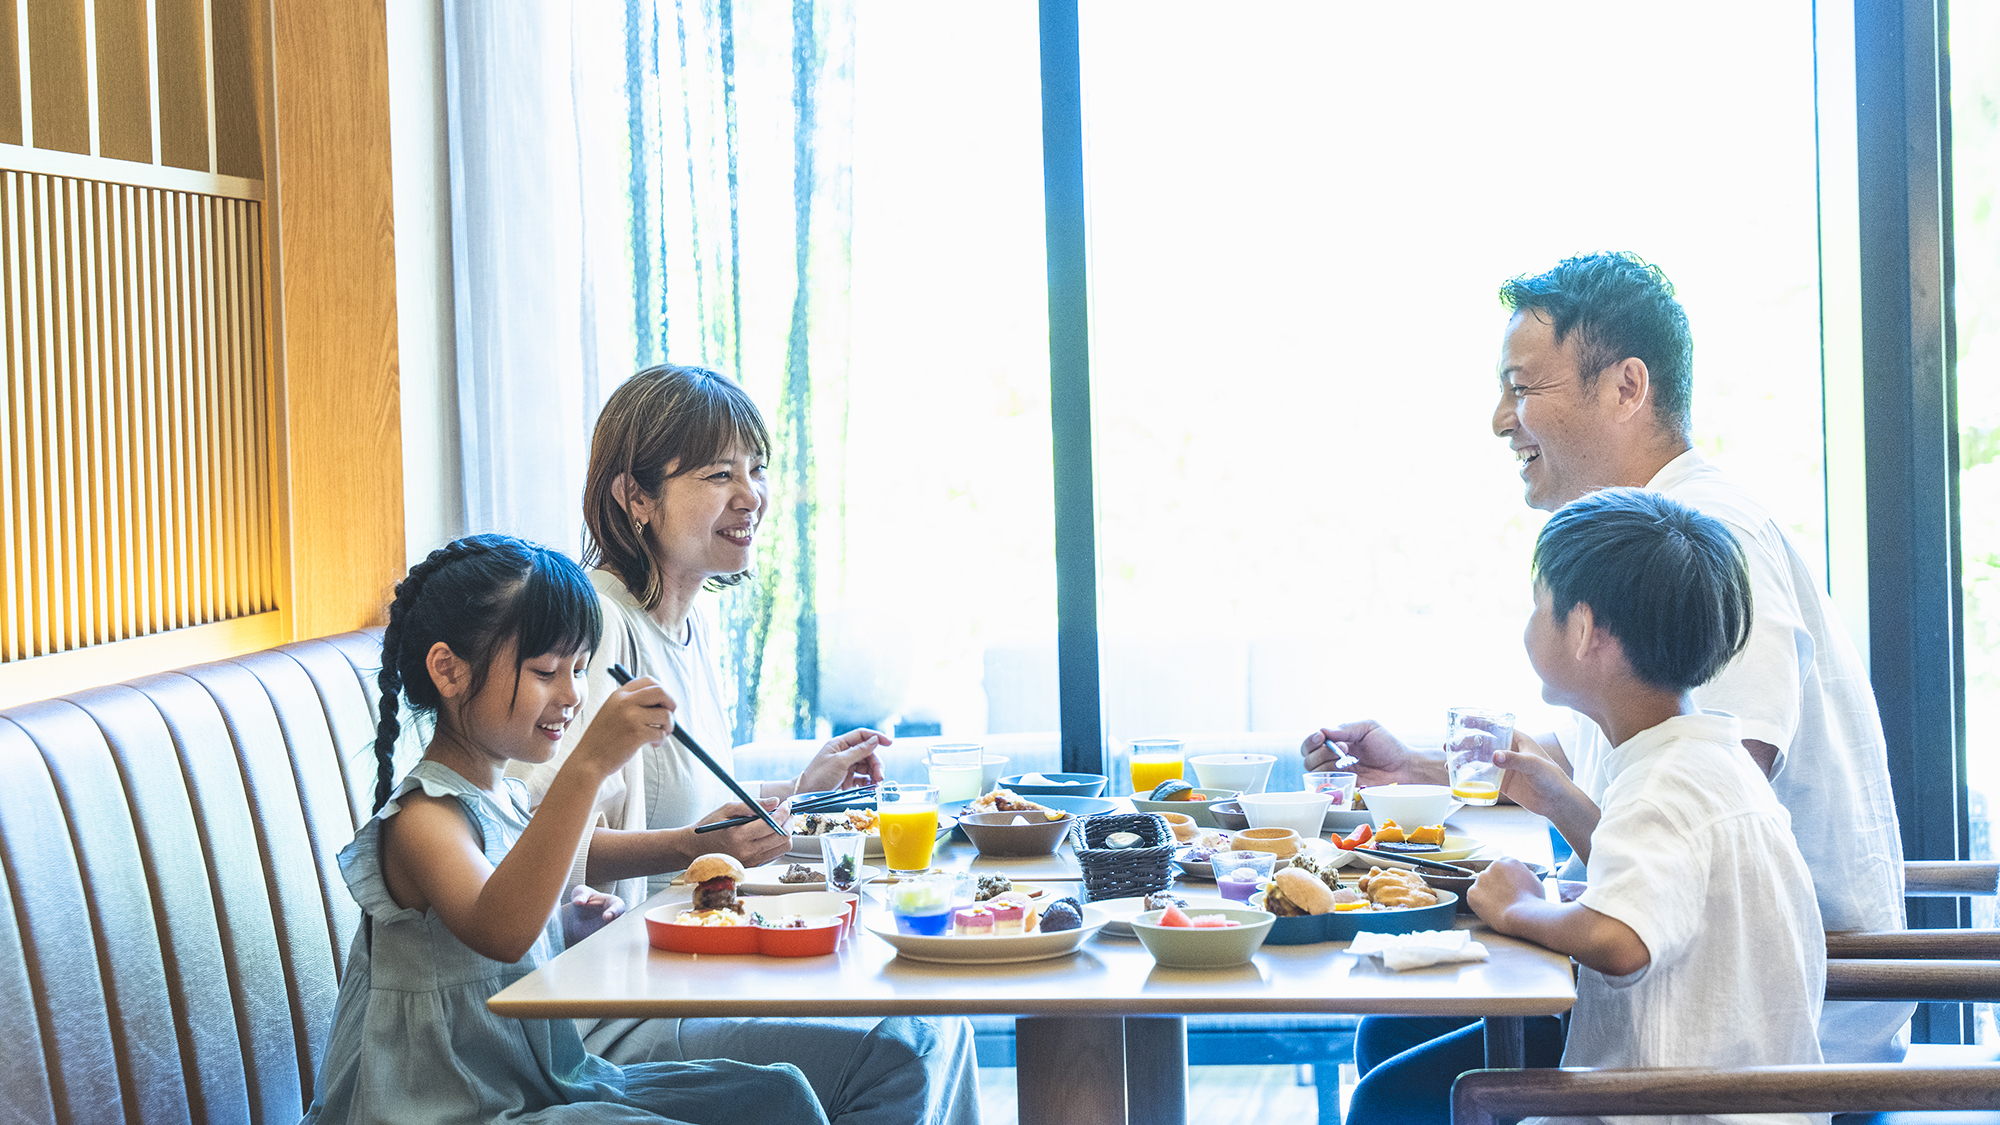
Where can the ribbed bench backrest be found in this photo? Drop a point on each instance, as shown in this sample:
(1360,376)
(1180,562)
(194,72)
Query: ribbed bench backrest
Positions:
(172,920)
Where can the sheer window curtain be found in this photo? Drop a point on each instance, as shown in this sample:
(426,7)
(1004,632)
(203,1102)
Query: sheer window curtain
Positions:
(645,182)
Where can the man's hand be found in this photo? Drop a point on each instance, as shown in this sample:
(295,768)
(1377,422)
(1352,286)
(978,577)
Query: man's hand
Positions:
(1375,756)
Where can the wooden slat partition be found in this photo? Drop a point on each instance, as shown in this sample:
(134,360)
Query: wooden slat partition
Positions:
(136,490)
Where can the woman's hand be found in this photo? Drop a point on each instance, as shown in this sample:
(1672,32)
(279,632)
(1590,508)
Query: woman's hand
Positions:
(845,762)
(586,912)
(1379,757)
(752,844)
(633,715)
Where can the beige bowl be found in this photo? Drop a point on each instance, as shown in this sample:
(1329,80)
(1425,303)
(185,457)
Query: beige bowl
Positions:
(1280,842)
(1184,827)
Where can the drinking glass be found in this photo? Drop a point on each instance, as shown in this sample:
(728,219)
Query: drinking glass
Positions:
(1472,734)
(1237,874)
(843,853)
(1338,787)
(1154,760)
(922,904)
(956,769)
(909,825)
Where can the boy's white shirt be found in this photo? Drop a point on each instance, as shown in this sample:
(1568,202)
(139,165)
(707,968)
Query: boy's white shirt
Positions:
(662,786)
(1695,854)
(1800,685)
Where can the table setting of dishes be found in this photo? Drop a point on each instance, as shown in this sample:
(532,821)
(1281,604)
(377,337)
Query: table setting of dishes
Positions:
(1202,867)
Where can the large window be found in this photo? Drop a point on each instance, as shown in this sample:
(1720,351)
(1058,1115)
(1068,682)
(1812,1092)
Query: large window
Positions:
(1298,223)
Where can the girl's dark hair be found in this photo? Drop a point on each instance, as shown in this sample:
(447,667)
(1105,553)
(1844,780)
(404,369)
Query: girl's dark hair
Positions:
(475,594)
(1667,581)
(688,417)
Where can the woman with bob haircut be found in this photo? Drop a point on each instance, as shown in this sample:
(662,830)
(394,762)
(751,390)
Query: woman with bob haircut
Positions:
(673,499)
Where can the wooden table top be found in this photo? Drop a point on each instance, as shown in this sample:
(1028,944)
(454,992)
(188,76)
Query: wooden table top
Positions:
(617,973)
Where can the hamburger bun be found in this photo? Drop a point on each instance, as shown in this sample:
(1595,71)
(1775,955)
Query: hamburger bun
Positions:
(1305,891)
(714,865)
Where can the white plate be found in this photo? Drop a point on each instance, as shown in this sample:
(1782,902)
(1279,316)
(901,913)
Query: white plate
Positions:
(1037,893)
(996,950)
(764,880)
(1200,870)
(1118,912)
(807,847)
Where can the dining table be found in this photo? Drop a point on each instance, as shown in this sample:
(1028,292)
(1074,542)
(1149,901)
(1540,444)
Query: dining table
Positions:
(1100,1034)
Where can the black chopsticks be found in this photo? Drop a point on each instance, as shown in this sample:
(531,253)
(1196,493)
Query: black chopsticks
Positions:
(818,802)
(1419,861)
(619,674)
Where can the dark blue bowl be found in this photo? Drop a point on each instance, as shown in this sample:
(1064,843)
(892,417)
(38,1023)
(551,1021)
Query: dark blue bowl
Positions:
(1066,785)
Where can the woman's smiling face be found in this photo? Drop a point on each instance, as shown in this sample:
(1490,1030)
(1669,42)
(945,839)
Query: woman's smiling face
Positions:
(704,521)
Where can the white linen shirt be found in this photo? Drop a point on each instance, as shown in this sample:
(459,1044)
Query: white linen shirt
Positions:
(1800,686)
(662,786)
(1696,855)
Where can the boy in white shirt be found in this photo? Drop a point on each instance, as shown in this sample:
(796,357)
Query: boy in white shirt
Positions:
(1699,936)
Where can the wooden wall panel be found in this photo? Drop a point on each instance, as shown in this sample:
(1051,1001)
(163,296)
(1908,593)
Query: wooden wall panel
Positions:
(181,28)
(58,69)
(338,276)
(124,80)
(134,470)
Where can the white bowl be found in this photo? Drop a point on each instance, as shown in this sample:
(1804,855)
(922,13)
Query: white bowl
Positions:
(990,768)
(1300,812)
(1243,773)
(1411,806)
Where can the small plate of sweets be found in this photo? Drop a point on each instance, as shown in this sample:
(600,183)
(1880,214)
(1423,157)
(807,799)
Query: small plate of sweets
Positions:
(1006,928)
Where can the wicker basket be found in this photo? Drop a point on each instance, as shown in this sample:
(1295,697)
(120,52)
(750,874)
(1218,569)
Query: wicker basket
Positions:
(1124,872)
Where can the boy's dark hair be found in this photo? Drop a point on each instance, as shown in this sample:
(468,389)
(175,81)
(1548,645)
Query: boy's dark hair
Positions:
(475,594)
(684,416)
(1618,306)
(1667,581)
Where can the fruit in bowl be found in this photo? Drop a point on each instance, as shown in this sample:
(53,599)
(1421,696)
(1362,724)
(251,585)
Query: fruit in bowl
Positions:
(1204,938)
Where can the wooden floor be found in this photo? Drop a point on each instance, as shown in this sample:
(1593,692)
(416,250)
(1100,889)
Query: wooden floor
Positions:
(1217,1095)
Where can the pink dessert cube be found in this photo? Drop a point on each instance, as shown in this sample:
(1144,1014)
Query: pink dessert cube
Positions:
(1007,917)
(973,921)
(1212,922)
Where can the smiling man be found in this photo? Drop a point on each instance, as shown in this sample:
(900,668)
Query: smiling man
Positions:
(1596,378)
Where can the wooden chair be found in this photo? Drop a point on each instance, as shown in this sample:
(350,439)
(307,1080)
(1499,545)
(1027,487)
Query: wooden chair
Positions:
(1487,1096)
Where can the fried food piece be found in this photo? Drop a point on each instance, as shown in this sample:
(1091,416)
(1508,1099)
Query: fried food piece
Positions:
(991,885)
(1396,888)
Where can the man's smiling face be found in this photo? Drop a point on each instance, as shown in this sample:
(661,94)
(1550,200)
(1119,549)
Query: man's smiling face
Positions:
(1554,421)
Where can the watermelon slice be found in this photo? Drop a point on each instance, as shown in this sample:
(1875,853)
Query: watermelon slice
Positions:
(1212,922)
(1173,916)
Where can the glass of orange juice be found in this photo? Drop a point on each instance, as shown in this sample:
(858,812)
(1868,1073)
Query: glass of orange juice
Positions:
(909,825)
(1154,760)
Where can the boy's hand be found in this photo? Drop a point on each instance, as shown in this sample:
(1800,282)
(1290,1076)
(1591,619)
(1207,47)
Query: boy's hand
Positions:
(635,714)
(1503,884)
(1371,752)
(1541,786)
(587,911)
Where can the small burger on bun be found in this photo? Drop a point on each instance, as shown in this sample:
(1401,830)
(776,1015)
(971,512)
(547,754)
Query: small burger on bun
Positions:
(715,876)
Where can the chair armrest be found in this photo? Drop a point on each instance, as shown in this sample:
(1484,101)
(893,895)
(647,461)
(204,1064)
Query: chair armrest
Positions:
(1942,981)
(1484,1097)
(1950,878)
(1977,945)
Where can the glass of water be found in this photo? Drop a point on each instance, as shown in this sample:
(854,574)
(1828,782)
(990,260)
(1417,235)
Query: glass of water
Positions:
(1472,734)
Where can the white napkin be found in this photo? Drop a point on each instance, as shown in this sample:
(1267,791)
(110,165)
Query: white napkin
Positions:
(1414,951)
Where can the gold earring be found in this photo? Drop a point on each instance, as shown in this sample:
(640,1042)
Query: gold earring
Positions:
(638,527)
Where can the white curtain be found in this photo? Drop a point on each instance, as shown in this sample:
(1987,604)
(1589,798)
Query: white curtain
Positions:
(534,231)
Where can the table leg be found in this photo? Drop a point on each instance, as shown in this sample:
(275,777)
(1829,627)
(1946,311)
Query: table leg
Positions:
(1070,1071)
(1506,1042)
(1156,1070)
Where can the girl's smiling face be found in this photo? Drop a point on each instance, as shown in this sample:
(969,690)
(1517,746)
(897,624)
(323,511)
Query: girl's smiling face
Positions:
(520,712)
(704,521)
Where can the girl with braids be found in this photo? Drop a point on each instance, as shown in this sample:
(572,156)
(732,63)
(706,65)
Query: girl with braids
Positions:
(673,500)
(458,884)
